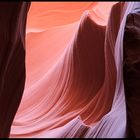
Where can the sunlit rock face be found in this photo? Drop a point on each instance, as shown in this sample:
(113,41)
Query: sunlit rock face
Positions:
(73,69)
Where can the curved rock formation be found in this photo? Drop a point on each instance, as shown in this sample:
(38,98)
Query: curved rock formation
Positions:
(12,61)
(131,72)
(74,84)
(81,82)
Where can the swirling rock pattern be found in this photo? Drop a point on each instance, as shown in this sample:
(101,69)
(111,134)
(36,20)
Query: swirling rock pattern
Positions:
(80,63)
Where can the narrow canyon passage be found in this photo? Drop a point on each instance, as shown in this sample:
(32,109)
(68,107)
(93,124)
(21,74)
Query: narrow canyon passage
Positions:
(67,68)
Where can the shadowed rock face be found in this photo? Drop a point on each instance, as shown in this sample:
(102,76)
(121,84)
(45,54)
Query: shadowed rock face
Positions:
(12,60)
(132,72)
